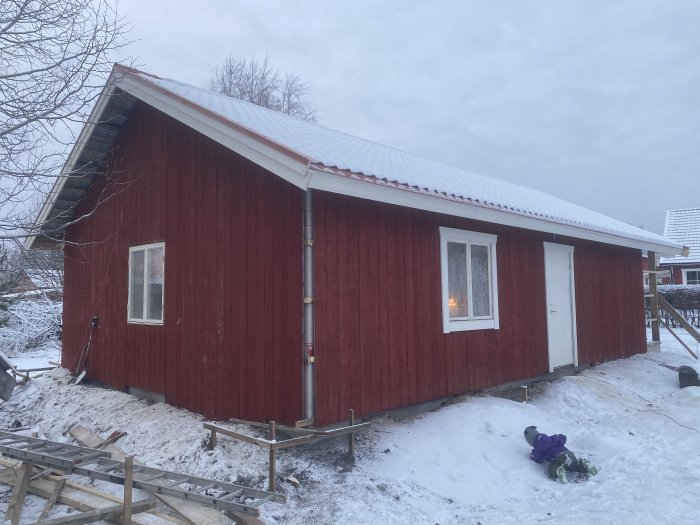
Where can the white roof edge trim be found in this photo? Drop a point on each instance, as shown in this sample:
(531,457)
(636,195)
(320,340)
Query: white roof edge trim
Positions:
(73,156)
(366,190)
(291,170)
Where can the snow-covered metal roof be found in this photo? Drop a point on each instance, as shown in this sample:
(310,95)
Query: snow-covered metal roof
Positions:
(683,226)
(316,156)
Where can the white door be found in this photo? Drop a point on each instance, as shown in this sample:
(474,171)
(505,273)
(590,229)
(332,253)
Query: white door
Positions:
(561,304)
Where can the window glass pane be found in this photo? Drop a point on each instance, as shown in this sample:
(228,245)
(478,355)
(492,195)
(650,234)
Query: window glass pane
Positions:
(481,302)
(155,284)
(692,277)
(136,282)
(457,279)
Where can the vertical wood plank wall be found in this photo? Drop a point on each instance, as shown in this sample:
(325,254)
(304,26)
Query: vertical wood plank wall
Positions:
(230,343)
(379,340)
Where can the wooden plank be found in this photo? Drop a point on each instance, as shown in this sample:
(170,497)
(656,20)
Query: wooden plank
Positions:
(128,489)
(53,498)
(343,349)
(240,271)
(654,300)
(410,312)
(237,435)
(321,343)
(335,432)
(395,310)
(679,318)
(383,357)
(273,458)
(19,492)
(273,280)
(224,363)
(331,355)
(366,298)
(302,440)
(111,513)
(351,436)
(424,298)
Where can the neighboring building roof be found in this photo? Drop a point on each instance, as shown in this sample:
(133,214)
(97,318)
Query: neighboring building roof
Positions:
(683,226)
(312,156)
(31,280)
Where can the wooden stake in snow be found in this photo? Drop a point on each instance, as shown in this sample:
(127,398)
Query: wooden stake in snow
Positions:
(351,436)
(128,486)
(273,458)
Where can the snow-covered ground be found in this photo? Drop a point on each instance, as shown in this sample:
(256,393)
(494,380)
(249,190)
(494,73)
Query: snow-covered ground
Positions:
(49,353)
(465,463)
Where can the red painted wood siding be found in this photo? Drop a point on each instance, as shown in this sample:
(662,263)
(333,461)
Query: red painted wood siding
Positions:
(230,345)
(379,340)
(610,315)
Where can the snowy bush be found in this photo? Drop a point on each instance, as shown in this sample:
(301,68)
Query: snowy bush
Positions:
(33,324)
(686,297)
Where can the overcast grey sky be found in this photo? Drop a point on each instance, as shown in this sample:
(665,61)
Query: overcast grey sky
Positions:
(596,102)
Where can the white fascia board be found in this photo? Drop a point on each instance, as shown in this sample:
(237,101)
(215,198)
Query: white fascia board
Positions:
(402,197)
(74,155)
(273,160)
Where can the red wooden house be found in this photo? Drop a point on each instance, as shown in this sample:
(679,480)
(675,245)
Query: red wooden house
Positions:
(243,263)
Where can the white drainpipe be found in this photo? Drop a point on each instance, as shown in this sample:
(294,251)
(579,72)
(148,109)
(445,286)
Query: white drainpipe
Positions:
(308,336)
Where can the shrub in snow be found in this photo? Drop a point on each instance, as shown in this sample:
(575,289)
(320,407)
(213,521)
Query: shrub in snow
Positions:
(684,298)
(31,325)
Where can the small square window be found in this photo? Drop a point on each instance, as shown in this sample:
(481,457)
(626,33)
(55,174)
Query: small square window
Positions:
(469,284)
(146,279)
(691,276)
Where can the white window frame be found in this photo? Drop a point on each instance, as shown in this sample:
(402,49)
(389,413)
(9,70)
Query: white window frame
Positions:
(685,271)
(143,320)
(469,238)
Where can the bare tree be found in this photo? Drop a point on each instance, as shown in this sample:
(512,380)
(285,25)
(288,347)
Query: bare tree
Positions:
(257,81)
(54,59)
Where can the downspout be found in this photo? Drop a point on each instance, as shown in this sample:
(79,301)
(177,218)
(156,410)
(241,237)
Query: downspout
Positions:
(308,327)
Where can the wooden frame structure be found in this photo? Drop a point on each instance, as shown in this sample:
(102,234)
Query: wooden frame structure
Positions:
(656,302)
(304,436)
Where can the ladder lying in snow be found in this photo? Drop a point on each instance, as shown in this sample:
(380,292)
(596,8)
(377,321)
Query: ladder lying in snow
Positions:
(97,464)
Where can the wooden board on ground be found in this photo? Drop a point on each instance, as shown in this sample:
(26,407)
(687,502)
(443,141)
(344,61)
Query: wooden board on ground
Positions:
(19,492)
(53,498)
(83,498)
(193,513)
(111,513)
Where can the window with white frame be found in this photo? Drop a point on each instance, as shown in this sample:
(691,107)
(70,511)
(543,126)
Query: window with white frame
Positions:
(691,276)
(469,282)
(146,277)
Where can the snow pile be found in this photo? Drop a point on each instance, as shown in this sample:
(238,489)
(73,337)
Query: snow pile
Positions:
(466,462)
